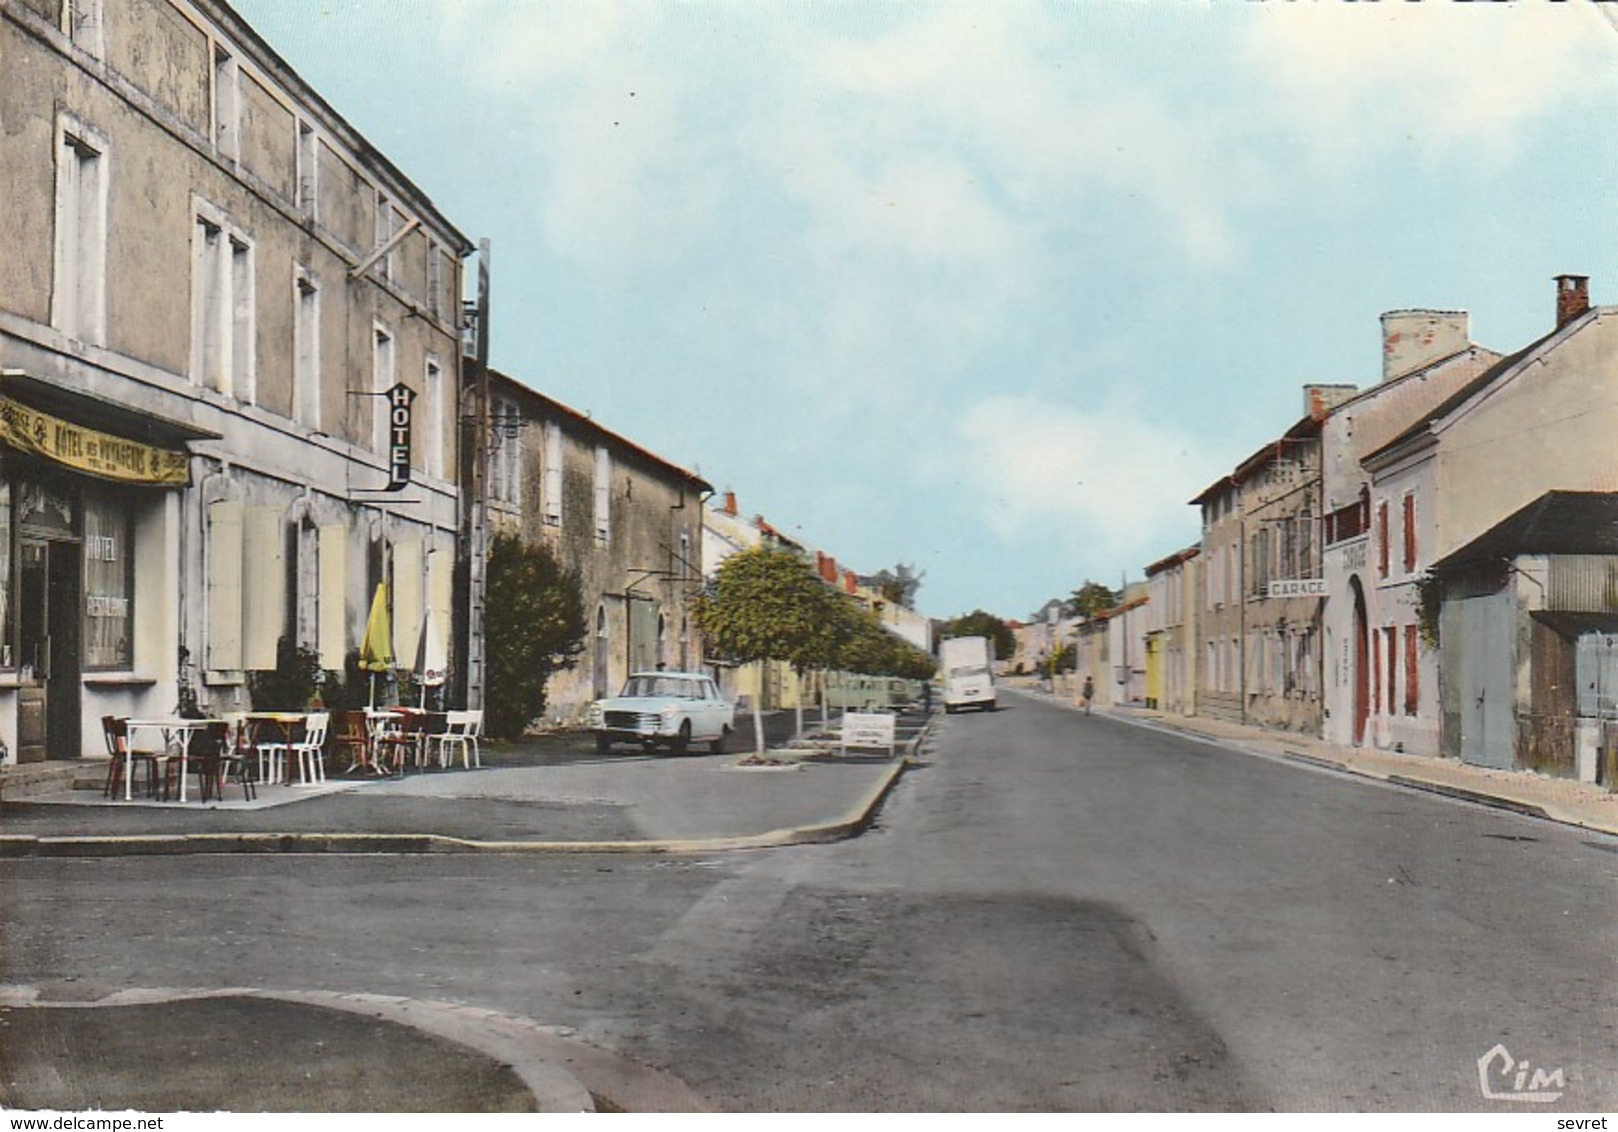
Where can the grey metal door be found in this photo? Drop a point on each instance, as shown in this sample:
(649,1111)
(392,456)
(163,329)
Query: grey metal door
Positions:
(1486,655)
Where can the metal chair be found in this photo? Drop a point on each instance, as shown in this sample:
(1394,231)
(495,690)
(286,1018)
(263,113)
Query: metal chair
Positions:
(236,761)
(462,730)
(116,733)
(311,748)
(272,755)
(353,738)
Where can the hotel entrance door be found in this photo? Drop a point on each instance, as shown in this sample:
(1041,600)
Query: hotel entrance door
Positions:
(49,623)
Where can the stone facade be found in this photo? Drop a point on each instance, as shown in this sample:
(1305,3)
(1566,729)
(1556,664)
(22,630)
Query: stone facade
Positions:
(207,272)
(626,521)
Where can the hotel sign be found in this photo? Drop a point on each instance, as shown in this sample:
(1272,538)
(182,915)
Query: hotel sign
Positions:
(89,451)
(399,412)
(1298,587)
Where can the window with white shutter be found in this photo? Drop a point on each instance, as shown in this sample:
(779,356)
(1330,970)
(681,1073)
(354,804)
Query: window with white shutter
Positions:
(332,610)
(224,574)
(264,586)
(603,493)
(553,474)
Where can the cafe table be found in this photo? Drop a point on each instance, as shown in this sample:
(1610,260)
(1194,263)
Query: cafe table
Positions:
(287,721)
(176,732)
(386,730)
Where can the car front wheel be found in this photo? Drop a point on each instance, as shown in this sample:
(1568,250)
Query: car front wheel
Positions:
(603,743)
(681,742)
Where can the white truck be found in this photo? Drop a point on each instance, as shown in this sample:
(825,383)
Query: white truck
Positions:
(967,679)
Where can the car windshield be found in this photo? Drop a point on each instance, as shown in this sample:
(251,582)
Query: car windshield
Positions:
(642,686)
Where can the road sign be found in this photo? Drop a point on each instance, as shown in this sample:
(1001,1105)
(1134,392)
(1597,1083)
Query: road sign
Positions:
(868,729)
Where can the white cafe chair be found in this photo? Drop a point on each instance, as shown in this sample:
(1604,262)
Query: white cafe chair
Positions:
(461,730)
(311,749)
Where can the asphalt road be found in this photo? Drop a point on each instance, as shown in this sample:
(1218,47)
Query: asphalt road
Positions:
(1054,912)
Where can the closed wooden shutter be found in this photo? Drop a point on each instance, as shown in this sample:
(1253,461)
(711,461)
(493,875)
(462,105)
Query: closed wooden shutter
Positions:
(408,587)
(332,609)
(1412,672)
(603,494)
(224,574)
(264,585)
(1410,533)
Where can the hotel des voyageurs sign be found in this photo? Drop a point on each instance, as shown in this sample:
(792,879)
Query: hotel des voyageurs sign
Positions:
(89,450)
(129,461)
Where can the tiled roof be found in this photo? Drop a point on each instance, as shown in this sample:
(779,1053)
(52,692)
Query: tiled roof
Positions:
(1482,381)
(589,424)
(1558,522)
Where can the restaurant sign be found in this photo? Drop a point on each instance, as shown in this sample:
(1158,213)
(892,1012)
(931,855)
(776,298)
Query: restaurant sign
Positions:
(1298,587)
(89,451)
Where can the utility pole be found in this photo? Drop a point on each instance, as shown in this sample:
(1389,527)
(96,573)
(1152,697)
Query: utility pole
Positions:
(478,505)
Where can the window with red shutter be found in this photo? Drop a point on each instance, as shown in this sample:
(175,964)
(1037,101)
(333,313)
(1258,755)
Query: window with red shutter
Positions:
(1376,672)
(1412,682)
(1391,643)
(1410,533)
(1382,539)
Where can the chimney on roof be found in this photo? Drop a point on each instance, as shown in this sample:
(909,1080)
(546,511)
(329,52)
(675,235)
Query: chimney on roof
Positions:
(1572,298)
(730,503)
(1320,400)
(1416,338)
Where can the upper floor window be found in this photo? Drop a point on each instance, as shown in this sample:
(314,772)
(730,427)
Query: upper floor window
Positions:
(382,379)
(308,172)
(505,454)
(1382,539)
(223,348)
(1306,543)
(227,118)
(603,495)
(435,280)
(1410,532)
(1261,558)
(82,21)
(431,429)
(383,234)
(553,474)
(306,350)
(79,294)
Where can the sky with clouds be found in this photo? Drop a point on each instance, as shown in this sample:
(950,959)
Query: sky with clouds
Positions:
(991,289)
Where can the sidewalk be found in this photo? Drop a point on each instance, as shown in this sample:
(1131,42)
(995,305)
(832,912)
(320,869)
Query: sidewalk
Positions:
(546,795)
(172,1050)
(1537,795)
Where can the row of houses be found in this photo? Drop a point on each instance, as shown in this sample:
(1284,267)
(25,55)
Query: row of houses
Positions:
(1424,565)
(244,383)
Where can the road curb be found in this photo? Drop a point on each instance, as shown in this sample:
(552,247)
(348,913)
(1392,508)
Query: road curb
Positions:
(851,824)
(561,1071)
(1405,781)
(1494,801)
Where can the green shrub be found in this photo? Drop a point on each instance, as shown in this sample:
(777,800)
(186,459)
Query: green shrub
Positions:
(533,625)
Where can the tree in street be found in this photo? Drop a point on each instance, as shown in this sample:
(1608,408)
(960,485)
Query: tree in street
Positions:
(981,624)
(765,604)
(822,650)
(898,585)
(1090,599)
(536,628)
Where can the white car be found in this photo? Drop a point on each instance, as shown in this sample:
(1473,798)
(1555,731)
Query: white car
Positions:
(671,709)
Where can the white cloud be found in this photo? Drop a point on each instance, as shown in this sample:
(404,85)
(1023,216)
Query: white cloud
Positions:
(1359,78)
(1108,480)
